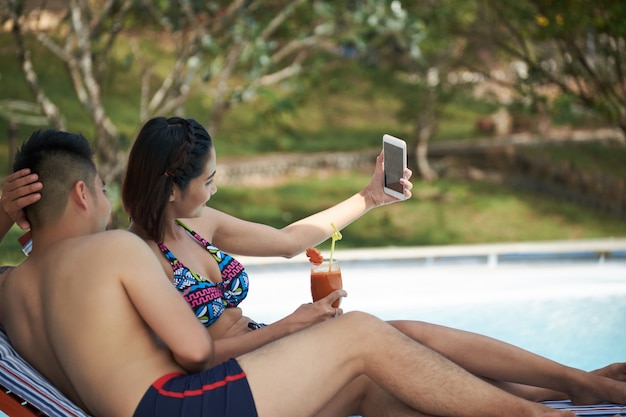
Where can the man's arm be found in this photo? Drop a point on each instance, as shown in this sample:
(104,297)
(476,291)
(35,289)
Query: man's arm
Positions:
(160,305)
(18,191)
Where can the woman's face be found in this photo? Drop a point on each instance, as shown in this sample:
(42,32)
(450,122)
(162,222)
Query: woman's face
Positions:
(102,203)
(190,202)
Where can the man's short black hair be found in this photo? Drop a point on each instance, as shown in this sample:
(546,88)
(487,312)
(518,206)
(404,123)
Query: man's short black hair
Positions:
(60,159)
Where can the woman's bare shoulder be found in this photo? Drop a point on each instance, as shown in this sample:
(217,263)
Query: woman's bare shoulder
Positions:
(115,241)
(207,222)
(115,249)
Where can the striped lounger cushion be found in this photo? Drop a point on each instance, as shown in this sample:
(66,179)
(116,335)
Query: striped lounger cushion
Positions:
(23,380)
(599,410)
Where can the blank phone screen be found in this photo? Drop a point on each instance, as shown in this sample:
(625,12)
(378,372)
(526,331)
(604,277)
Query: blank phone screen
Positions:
(394,165)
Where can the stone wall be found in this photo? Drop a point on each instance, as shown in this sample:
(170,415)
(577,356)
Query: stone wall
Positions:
(506,161)
(566,181)
(267,169)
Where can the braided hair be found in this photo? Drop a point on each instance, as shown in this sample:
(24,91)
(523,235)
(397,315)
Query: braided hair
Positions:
(167,151)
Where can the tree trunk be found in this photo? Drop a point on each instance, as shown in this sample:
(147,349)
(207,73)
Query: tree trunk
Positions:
(425,127)
(12,134)
(48,108)
(421,155)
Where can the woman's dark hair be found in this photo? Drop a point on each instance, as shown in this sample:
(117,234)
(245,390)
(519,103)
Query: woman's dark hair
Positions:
(166,152)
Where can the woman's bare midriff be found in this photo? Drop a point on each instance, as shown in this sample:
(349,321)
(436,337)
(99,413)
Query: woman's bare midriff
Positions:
(231,323)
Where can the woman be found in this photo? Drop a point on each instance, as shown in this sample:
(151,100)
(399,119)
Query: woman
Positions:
(171,176)
(19,190)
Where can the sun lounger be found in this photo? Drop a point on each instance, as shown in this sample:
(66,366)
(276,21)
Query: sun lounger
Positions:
(598,410)
(26,393)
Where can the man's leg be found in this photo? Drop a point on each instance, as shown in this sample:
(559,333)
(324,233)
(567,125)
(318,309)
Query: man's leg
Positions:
(365,398)
(299,374)
(504,364)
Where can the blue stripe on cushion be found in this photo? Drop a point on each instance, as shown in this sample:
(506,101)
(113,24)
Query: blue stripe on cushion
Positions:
(597,410)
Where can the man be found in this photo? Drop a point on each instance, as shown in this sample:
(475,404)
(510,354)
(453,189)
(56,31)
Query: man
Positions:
(93,311)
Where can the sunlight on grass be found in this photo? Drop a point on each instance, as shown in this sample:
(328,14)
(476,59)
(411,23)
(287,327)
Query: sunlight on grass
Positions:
(440,213)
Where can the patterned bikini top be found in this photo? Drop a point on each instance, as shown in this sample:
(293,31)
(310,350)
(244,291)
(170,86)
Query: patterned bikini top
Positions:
(207,299)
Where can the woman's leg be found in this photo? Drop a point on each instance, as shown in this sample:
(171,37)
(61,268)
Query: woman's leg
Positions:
(507,366)
(299,374)
(365,398)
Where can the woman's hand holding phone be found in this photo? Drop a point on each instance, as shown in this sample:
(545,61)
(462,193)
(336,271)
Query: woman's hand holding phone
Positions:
(395,161)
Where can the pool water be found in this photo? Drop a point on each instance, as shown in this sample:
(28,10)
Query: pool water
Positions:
(571,312)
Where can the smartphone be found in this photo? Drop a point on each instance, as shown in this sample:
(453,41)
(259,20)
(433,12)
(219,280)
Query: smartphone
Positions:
(394,153)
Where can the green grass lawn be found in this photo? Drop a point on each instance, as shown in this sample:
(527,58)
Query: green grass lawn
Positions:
(438,214)
(441,213)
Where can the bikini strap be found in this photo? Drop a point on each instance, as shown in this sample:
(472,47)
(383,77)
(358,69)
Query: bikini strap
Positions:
(208,245)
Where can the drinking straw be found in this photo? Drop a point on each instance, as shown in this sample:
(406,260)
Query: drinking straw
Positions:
(335,236)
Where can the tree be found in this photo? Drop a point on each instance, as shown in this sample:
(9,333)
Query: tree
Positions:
(230,51)
(83,43)
(227,50)
(577,46)
(417,45)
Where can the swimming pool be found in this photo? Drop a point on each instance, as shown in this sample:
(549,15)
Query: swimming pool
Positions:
(570,309)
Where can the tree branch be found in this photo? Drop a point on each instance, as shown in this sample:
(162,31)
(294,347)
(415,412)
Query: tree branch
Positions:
(48,108)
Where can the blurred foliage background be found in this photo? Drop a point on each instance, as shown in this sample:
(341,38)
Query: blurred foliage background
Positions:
(514,113)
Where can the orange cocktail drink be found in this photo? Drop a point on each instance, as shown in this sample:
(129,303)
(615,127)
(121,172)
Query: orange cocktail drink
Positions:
(325,278)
